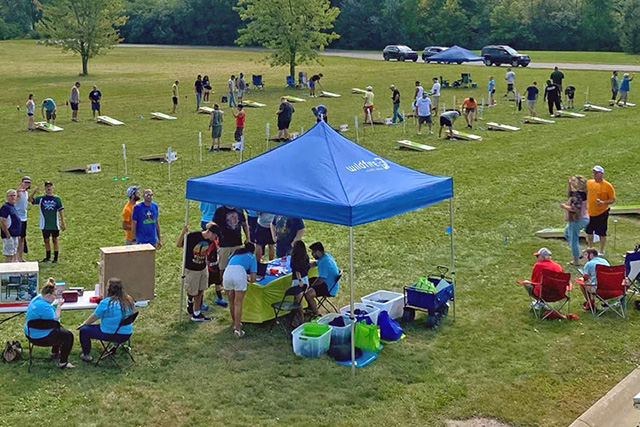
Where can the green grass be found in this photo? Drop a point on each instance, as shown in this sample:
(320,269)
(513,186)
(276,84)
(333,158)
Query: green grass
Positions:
(494,360)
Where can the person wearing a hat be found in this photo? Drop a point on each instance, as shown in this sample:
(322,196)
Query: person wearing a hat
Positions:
(589,285)
(600,196)
(22,203)
(51,218)
(368,104)
(624,89)
(543,262)
(133,193)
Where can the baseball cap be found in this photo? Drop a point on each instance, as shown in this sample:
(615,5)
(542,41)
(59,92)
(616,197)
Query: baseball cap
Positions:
(48,183)
(213,227)
(598,168)
(26,178)
(543,252)
(131,190)
(369,88)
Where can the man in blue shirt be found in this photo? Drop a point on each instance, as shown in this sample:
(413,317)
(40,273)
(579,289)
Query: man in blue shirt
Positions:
(51,109)
(589,276)
(326,284)
(532,97)
(144,221)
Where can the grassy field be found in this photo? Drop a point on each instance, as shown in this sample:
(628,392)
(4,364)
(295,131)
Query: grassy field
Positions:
(495,360)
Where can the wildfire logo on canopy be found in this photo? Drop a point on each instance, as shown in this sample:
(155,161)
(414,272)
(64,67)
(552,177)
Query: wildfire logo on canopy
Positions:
(376,164)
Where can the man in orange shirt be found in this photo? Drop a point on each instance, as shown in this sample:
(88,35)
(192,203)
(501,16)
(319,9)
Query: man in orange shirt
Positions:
(133,193)
(469,108)
(600,195)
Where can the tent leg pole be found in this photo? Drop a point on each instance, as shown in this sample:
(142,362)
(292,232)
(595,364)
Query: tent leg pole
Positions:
(453,256)
(184,258)
(351,308)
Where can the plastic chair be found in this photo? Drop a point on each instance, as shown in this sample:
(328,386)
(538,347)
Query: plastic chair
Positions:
(291,81)
(39,324)
(324,299)
(551,294)
(288,304)
(110,346)
(256,80)
(610,291)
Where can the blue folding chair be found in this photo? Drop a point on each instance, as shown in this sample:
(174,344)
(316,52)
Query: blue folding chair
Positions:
(256,80)
(291,81)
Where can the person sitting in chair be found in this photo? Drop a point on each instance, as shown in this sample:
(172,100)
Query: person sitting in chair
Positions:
(325,285)
(111,310)
(589,286)
(543,262)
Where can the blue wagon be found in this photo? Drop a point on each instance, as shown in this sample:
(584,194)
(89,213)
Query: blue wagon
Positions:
(435,304)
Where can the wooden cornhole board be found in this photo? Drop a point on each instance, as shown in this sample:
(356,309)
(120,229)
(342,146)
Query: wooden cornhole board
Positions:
(358,91)
(403,143)
(90,168)
(294,99)
(376,122)
(562,113)
(205,110)
(499,126)
(537,121)
(555,233)
(466,136)
(157,157)
(162,116)
(106,120)
(326,94)
(625,210)
(591,107)
(253,104)
(613,104)
(47,127)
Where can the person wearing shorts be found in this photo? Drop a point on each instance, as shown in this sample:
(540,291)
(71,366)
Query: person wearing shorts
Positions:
(22,204)
(446,120)
(368,104)
(232,223)
(240,119)
(284,113)
(423,107)
(532,97)
(469,108)
(624,89)
(74,100)
(600,195)
(241,86)
(51,109)
(510,77)
(435,96)
(174,96)
(11,226)
(95,96)
(31,107)
(326,284)
(315,79)
(215,124)
(51,218)
(263,235)
(234,281)
(589,284)
(492,91)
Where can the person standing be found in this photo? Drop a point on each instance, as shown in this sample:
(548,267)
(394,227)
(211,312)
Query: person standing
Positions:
(145,225)
(435,96)
(10,226)
(284,113)
(31,108)
(395,99)
(51,109)
(532,97)
(368,104)
(95,96)
(510,77)
(231,86)
(575,214)
(133,193)
(208,211)
(206,88)
(446,120)
(469,108)
(197,85)
(624,89)
(175,96)
(213,267)
(552,95)
(615,84)
(556,77)
(22,204)
(232,223)
(51,219)
(215,125)
(315,79)
(74,100)
(234,279)
(285,232)
(423,107)
(263,235)
(240,116)
(600,196)
(242,86)
(417,94)
(492,92)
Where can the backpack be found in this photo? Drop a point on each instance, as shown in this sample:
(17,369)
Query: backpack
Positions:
(12,352)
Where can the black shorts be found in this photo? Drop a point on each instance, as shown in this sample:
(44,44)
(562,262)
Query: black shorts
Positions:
(237,136)
(214,277)
(252,222)
(424,119)
(50,233)
(74,106)
(445,122)
(509,87)
(29,114)
(321,289)
(493,91)
(51,115)
(263,236)
(23,230)
(598,224)
(283,124)
(175,100)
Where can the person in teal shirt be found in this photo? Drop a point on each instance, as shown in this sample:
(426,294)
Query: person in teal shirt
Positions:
(50,106)
(208,210)
(589,276)
(51,219)
(326,284)
(624,89)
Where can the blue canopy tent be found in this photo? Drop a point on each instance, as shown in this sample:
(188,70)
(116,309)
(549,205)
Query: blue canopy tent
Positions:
(323,176)
(455,54)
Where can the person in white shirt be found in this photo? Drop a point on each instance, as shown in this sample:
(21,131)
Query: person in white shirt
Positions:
(435,96)
(31,108)
(22,203)
(510,77)
(74,100)
(418,93)
(423,105)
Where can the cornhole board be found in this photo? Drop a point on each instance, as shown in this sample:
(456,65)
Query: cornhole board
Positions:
(157,157)
(106,120)
(376,122)
(342,128)
(555,233)
(499,126)
(562,113)
(162,116)
(90,168)
(466,136)
(403,143)
(625,210)
(326,94)
(205,110)
(253,104)
(591,107)
(537,121)
(613,104)
(358,91)
(294,99)
(47,127)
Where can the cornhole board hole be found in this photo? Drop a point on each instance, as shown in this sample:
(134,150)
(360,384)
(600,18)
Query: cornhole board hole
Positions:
(613,104)
(499,126)
(403,143)
(555,233)
(326,94)
(157,157)
(253,104)
(162,116)
(205,110)
(562,113)
(466,136)
(90,168)
(358,91)
(591,107)
(106,120)
(294,99)
(537,121)
(625,210)
(47,127)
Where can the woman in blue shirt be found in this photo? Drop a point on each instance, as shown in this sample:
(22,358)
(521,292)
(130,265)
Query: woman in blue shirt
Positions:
(60,340)
(111,310)
(234,281)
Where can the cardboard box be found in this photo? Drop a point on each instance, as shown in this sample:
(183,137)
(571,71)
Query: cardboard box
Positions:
(135,265)
(18,283)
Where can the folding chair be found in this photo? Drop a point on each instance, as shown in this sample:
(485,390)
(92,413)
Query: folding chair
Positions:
(291,81)
(302,79)
(465,79)
(610,291)
(288,304)
(552,294)
(632,267)
(256,80)
(110,346)
(324,299)
(39,324)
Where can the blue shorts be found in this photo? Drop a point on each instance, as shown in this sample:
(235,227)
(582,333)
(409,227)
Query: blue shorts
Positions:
(312,84)
(95,106)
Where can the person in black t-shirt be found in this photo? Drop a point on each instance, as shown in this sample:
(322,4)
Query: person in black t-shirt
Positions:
(231,222)
(284,113)
(395,98)
(312,84)
(95,96)
(198,85)
(552,95)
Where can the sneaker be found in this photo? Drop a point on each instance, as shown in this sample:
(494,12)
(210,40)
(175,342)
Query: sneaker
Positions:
(419,133)
(221,302)
(238,333)
(204,307)
(46,260)
(66,365)
(200,318)
(86,358)
(587,306)
(189,307)
(211,150)
(431,133)
(55,261)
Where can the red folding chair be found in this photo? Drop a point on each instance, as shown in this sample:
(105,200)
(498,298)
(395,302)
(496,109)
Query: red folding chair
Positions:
(552,294)
(611,290)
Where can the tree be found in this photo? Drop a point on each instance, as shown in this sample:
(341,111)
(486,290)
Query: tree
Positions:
(85,27)
(629,30)
(294,30)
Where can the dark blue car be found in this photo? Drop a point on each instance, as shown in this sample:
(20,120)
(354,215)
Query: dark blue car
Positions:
(399,52)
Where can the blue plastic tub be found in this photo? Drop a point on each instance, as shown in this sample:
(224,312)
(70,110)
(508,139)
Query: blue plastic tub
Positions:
(421,299)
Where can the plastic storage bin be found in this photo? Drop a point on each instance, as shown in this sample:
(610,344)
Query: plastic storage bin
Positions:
(310,346)
(393,302)
(339,334)
(372,311)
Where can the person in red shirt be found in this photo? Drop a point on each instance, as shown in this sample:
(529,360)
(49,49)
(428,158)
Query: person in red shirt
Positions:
(240,117)
(543,262)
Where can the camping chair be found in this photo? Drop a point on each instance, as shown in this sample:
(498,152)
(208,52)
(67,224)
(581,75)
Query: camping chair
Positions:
(39,324)
(552,294)
(302,79)
(610,290)
(632,272)
(110,346)
(322,300)
(465,80)
(444,83)
(289,305)
(256,80)
(291,81)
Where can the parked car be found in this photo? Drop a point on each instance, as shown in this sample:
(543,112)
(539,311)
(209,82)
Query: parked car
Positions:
(500,54)
(399,52)
(429,51)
